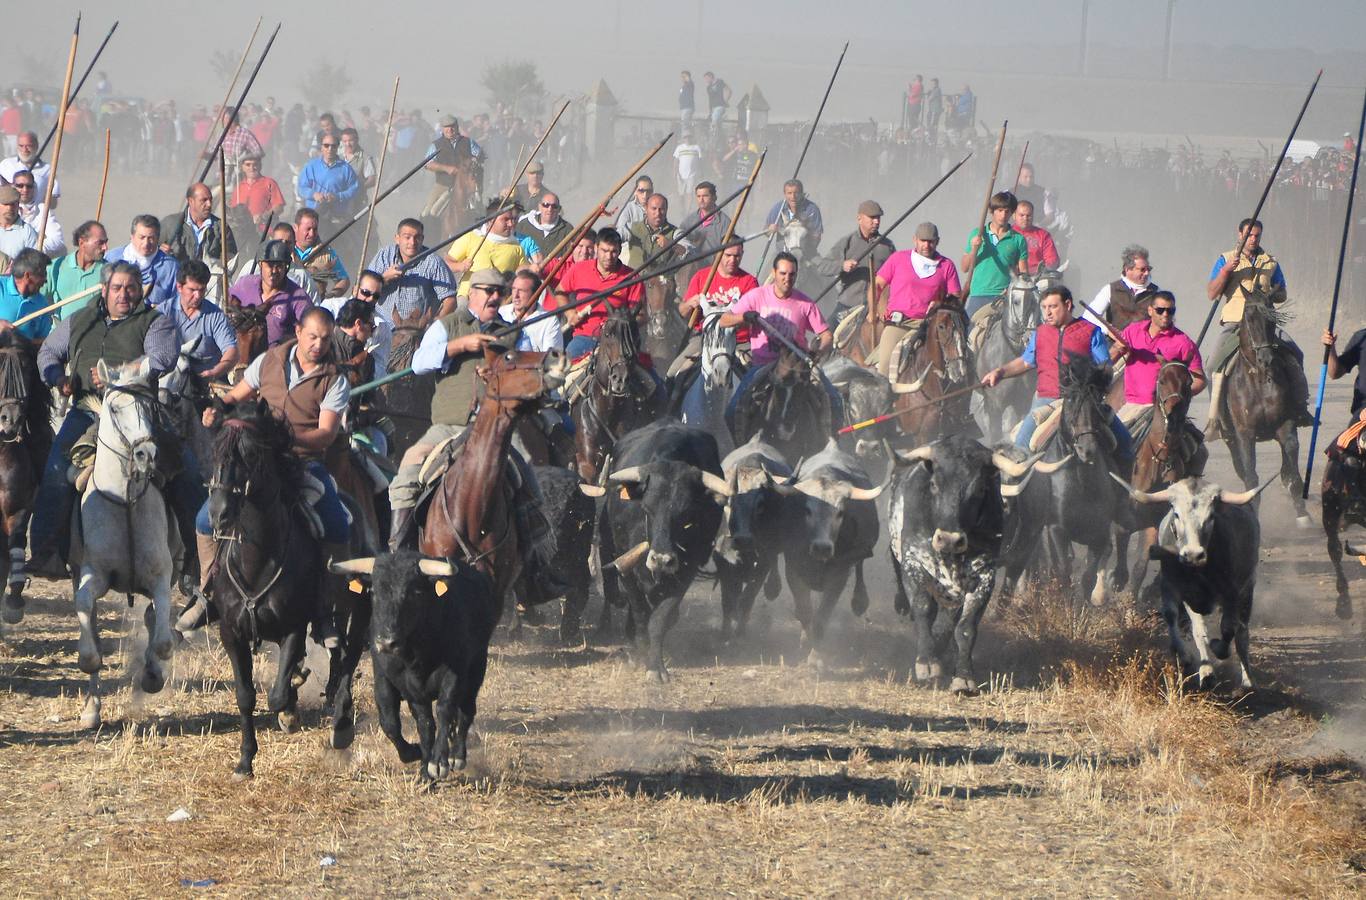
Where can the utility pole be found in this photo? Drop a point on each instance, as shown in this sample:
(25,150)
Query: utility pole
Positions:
(1081,56)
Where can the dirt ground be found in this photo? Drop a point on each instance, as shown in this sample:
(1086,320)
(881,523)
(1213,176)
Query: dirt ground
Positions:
(1081,768)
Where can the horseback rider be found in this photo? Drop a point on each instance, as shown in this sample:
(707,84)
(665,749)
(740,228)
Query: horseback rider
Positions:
(992,263)
(117,329)
(730,284)
(1126,299)
(1058,335)
(285,301)
(592,276)
(1339,364)
(787,310)
(1149,345)
(1255,274)
(1042,251)
(796,206)
(453,347)
(840,261)
(919,280)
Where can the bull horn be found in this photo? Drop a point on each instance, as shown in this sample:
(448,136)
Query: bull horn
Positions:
(1238,498)
(1016,489)
(716,484)
(924,452)
(629,475)
(1048,468)
(1013,468)
(1161,496)
(913,387)
(873,493)
(359,566)
(630,559)
(592,490)
(435,568)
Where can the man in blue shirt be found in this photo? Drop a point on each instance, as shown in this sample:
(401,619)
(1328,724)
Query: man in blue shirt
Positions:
(194,317)
(21,294)
(328,184)
(796,206)
(157,267)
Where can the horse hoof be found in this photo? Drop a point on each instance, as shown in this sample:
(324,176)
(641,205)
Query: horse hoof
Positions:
(152,682)
(289,721)
(1344,609)
(343,734)
(962,687)
(1304,521)
(656,676)
(90,715)
(240,774)
(89,663)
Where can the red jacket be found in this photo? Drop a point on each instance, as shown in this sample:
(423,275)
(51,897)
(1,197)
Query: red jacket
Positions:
(1076,341)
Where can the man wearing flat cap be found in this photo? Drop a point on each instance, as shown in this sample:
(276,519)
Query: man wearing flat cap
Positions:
(454,154)
(843,260)
(908,285)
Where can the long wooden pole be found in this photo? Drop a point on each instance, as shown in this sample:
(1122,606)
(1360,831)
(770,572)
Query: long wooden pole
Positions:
(79,295)
(61,130)
(71,98)
(516,179)
(1333,307)
(1020,171)
(986,211)
(223,221)
(570,239)
(104,179)
(1261,201)
(379,176)
(227,95)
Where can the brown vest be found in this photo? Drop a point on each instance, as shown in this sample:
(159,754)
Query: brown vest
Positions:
(1125,306)
(301,404)
(457,387)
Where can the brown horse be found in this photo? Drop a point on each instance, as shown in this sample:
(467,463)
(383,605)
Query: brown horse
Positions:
(664,327)
(470,516)
(1264,394)
(408,401)
(25,436)
(250,324)
(1164,455)
(941,363)
(618,395)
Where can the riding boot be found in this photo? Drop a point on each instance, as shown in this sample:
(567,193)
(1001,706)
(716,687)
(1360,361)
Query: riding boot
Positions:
(196,612)
(400,517)
(1212,427)
(324,622)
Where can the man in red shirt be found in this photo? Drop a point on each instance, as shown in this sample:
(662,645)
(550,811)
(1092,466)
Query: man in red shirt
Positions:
(1042,252)
(730,284)
(260,193)
(592,276)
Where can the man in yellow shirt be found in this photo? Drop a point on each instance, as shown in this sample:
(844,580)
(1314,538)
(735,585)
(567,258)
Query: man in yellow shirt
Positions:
(496,246)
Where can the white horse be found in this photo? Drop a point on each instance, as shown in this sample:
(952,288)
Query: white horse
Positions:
(121,534)
(704,406)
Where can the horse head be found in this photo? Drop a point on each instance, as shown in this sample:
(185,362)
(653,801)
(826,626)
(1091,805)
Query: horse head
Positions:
(17,368)
(1085,424)
(250,324)
(1172,393)
(252,463)
(1258,332)
(789,376)
(615,356)
(946,341)
(1022,314)
(129,418)
(793,235)
(514,377)
(718,355)
(407,334)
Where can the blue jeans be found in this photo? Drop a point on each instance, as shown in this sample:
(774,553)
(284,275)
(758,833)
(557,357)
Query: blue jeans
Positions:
(978,301)
(579,345)
(1124,442)
(836,401)
(329,508)
(56,496)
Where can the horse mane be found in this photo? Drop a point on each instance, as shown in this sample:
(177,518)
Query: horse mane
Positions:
(621,327)
(18,369)
(1081,380)
(1275,315)
(266,433)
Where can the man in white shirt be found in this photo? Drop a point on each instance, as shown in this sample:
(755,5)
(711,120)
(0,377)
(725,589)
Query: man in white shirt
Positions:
(27,158)
(15,233)
(541,336)
(687,165)
(31,211)
(1125,299)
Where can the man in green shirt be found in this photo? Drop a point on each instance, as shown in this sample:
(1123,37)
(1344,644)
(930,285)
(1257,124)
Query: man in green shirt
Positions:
(79,270)
(993,262)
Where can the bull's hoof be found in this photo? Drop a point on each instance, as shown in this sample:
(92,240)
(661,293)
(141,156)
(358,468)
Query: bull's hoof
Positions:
(90,713)
(242,773)
(89,662)
(1344,608)
(922,672)
(12,610)
(289,721)
(408,753)
(343,733)
(152,682)
(962,687)
(438,769)
(656,676)
(458,764)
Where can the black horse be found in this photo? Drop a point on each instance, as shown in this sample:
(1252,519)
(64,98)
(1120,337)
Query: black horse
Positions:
(617,395)
(786,405)
(269,571)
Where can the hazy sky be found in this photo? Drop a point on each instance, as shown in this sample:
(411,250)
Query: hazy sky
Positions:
(788,46)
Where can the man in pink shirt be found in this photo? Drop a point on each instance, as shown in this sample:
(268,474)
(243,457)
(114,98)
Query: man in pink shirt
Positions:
(1146,347)
(782,307)
(917,279)
(1042,251)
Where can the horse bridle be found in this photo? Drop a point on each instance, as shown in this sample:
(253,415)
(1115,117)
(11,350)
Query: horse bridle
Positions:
(140,396)
(1162,452)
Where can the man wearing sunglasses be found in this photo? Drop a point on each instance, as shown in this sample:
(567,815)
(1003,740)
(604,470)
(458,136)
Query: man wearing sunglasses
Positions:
(369,287)
(634,210)
(1148,345)
(529,195)
(329,185)
(544,225)
(1126,299)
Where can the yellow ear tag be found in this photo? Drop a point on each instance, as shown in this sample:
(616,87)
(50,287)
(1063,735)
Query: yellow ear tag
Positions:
(356,585)
(441,588)
(625,493)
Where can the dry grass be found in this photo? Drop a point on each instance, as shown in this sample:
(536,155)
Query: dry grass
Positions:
(746,774)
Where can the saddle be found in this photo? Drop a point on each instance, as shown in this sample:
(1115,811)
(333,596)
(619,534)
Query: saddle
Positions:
(1192,438)
(981,321)
(1047,419)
